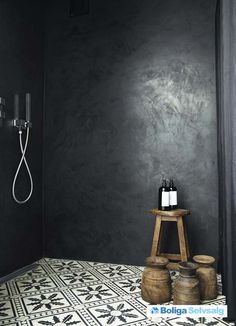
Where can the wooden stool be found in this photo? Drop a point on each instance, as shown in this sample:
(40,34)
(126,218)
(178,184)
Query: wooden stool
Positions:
(170,216)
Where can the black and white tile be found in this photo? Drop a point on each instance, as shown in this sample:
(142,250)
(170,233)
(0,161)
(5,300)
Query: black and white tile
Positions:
(79,277)
(6,310)
(59,292)
(65,266)
(37,271)
(94,293)
(196,322)
(35,284)
(115,271)
(45,302)
(3,290)
(131,285)
(66,319)
(119,313)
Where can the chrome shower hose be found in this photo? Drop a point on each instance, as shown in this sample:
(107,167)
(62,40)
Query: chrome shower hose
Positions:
(23,159)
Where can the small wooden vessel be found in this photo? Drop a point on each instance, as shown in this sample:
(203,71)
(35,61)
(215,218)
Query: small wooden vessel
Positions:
(207,276)
(186,287)
(156,281)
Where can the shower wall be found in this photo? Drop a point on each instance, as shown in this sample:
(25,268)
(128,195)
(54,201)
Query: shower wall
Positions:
(21,71)
(130,97)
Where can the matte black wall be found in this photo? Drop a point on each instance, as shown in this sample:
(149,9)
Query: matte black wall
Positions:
(21,71)
(130,96)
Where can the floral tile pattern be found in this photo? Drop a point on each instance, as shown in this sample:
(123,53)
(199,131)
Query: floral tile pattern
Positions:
(65,266)
(61,292)
(45,302)
(59,320)
(119,313)
(196,322)
(37,271)
(94,293)
(3,290)
(115,271)
(78,278)
(131,285)
(35,284)
(6,310)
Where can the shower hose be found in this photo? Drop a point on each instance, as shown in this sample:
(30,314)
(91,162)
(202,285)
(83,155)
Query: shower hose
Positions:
(23,159)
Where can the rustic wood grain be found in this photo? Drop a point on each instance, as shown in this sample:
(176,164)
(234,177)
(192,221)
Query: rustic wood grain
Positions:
(170,216)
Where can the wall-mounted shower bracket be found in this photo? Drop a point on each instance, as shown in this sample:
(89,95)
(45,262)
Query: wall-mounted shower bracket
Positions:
(2,107)
(22,124)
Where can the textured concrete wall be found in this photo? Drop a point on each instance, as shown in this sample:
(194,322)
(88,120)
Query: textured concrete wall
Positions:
(20,72)
(130,96)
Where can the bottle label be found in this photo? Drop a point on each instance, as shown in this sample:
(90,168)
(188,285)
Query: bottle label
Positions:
(173,198)
(165,200)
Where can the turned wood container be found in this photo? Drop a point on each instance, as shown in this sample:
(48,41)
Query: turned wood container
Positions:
(186,286)
(156,281)
(207,277)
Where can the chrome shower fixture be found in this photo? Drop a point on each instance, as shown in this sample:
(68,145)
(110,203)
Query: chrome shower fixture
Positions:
(21,123)
(2,108)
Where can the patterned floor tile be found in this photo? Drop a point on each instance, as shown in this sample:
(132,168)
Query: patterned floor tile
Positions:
(6,310)
(45,302)
(219,300)
(66,319)
(3,290)
(196,322)
(131,285)
(160,322)
(141,268)
(94,293)
(38,271)
(66,266)
(140,300)
(119,313)
(67,292)
(94,264)
(35,284)
(80,277)
(115,271)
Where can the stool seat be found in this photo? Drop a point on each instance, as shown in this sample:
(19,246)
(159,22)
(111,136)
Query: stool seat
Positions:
(170,216)
(174,212)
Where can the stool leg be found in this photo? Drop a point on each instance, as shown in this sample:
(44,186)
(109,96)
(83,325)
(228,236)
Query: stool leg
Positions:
(182,242)
(186,239)
(156,237)
(160,239)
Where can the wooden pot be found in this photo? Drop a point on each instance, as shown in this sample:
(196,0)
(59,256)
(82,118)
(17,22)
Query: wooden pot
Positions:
(207,277)
(156,281)
(186,287)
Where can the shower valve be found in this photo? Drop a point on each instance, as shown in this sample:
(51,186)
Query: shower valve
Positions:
(2,106)
(22,124)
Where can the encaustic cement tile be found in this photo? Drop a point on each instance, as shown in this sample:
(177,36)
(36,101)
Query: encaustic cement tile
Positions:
(60,292)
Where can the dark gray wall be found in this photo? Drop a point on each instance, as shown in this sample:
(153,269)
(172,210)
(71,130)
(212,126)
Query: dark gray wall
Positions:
(21,71)
(130,96)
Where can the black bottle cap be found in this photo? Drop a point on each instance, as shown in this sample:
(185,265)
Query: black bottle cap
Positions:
(163,182)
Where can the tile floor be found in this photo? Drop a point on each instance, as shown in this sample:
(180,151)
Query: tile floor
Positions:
(65,292)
